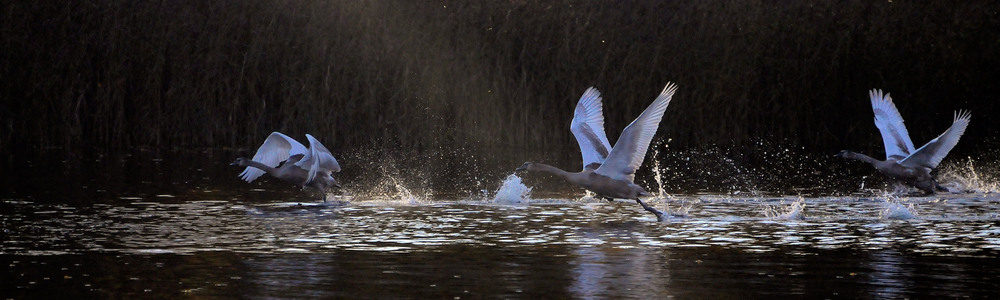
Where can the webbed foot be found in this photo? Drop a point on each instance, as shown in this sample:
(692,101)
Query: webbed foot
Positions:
(659,215)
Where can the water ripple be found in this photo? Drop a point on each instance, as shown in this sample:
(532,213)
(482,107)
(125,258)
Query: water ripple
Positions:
(954,225)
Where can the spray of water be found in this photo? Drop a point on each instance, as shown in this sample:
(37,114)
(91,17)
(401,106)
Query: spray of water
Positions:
(512,191)
(682,208)
(963,177)
(893,209)
(793,211)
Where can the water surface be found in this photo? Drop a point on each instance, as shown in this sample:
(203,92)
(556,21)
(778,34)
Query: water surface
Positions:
(164,231)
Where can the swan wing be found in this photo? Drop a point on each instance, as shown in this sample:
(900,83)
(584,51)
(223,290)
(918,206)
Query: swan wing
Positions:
(890,124)
(931,154)
(588,128)
(628,153)
(276,149)
(317,160)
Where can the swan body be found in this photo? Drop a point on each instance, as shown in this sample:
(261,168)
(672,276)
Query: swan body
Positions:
(610,171)
(285,158)
(903,162)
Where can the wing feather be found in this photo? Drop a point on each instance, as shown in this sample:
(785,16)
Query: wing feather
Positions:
(931,154)
(890,123)
(630,150)
(588,128)
(318,160)
(275,149)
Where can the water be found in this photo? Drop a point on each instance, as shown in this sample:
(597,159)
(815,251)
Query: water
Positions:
(167,231)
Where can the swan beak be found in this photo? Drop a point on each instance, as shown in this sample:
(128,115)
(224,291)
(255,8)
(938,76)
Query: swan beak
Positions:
(234,164)
(841,153)
(521,168)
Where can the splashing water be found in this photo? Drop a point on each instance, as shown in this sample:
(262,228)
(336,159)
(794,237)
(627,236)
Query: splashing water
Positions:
(392,191)
(894,210)
(403,194)
(658,175)
(513,191)
(790,212)
(963,177)
(681,210)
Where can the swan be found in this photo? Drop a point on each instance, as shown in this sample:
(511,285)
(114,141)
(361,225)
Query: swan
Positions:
(903,162)
(307,167)
(609,172)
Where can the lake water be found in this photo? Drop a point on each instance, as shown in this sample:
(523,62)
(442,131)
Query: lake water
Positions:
(142,226)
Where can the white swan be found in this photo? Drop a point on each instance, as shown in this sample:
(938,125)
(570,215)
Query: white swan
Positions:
(608,171)
(307,167)
(903,162)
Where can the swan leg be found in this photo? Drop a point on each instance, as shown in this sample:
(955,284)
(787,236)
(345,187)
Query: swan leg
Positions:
(658,214)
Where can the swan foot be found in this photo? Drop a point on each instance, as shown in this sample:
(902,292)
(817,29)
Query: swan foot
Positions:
(659,215)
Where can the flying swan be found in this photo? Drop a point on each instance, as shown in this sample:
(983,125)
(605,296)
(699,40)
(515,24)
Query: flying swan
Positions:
(902,162)
(307,167)
(608,171)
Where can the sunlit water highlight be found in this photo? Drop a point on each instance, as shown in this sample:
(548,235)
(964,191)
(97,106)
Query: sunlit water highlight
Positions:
(750,224)
(196,237)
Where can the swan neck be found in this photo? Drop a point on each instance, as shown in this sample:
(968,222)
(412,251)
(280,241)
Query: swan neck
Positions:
(550,169)
(861,157)
(259,165)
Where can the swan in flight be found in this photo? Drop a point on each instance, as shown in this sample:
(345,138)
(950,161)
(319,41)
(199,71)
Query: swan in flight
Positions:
(903,162)
(608,171)
(307,167)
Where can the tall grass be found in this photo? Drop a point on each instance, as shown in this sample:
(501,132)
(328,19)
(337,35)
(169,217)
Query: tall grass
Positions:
(428,75)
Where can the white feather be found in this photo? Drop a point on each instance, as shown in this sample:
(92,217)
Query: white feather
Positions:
(894,135)
(630,149)
(275,149)
(588,128)
(317,160)
(931,154)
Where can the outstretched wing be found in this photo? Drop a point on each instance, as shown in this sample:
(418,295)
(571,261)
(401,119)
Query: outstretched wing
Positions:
(276,149)
(890,124)
(931,154)
(317,160)
(588,128)
(630,150)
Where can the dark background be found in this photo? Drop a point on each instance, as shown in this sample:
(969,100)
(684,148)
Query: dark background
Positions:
(423,78)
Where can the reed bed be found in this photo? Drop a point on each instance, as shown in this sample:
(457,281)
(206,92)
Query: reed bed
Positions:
(423,76)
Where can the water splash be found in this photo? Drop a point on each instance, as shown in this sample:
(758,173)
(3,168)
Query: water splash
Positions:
(894,210)
(679,211)
(512,191)
(658,174)
(963,177)
(403,194)
(390,190)
(793,211)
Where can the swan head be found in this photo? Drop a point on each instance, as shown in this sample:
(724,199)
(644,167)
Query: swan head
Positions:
(842,153)
(240,161)
(526,166)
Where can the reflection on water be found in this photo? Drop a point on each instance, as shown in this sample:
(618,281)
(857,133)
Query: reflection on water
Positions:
(944,226)
(579,248)
(173,230)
